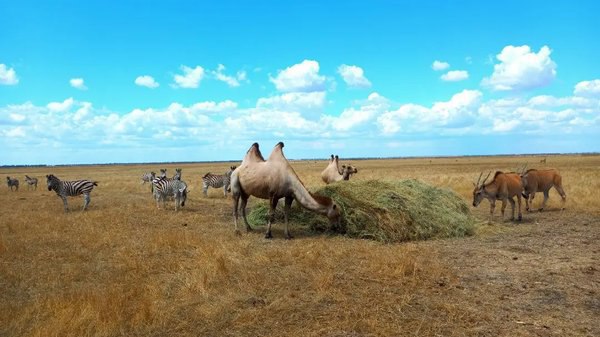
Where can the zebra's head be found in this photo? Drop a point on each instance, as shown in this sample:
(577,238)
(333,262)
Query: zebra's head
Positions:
(51,181)
(183,191)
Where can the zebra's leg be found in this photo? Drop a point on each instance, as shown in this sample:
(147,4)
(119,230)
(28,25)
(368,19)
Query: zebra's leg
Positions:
(66,206)
(205,189)
(286,212)
(86,200)
(225,190)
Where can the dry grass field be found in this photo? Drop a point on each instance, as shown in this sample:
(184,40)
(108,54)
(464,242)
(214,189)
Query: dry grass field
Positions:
(126,268)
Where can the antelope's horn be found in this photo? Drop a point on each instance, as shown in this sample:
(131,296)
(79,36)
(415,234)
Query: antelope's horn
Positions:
(486,178)
(478,179)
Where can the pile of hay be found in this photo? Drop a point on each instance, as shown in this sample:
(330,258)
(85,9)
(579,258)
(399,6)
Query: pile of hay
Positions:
(387,211)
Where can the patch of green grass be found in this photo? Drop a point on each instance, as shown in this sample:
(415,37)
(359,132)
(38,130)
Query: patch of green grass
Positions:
(385,210)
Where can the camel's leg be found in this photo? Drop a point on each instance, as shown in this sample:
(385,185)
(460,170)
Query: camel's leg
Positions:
(273,203)
(546,196)
(86,200)
(512,208)
(563,195)
(286,212)
(243,207)
(236,199)
(492,207)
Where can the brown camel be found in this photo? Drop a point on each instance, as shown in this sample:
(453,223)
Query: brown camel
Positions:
(333,173)
(273,179)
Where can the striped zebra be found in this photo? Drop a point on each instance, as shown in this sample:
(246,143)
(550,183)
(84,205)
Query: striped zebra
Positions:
(177,175)
(31,182)
(148,177)
(12,182)
(217,181)
(66,189)
(165,187)
(163,173)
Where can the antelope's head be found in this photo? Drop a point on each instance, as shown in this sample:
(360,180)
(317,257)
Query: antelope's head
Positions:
(479,190)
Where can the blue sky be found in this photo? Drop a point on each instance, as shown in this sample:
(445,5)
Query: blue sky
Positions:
(151,81)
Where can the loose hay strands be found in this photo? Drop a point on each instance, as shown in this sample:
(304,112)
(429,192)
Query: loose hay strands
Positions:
(386,210)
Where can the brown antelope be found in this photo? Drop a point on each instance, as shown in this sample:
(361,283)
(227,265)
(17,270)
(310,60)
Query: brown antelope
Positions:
(543,161)
(503,187)
(541,181)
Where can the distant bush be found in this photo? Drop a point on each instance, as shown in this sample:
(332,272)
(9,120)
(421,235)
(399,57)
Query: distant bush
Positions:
(385,210)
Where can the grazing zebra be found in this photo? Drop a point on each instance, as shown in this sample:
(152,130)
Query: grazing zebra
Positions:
(163,173)
(12,182)
(177,175)
(217,181)
(31,182)
(148,177)
(66,189)
(165,187)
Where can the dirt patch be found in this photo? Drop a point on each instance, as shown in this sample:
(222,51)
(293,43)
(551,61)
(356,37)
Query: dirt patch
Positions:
(539,278)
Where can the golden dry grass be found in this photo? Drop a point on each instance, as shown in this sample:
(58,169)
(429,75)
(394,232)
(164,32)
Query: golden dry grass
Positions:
(124,268)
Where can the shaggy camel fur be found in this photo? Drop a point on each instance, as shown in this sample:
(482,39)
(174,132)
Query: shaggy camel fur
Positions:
(273,179)
(333,173)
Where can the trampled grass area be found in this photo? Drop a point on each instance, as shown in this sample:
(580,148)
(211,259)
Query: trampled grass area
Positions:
(127,268)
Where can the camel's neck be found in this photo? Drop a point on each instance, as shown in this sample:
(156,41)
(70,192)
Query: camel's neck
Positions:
(305,199)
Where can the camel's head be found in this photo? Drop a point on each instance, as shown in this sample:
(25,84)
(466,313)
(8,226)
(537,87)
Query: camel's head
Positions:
(348,171)
(334,215)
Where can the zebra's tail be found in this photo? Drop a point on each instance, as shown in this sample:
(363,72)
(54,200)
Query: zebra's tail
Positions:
(95,183)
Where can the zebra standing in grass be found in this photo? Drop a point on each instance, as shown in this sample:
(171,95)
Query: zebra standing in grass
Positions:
(12,182)
(31,182)
(66,189)
(217,181)
(165,187)
(148,177)
(163,173)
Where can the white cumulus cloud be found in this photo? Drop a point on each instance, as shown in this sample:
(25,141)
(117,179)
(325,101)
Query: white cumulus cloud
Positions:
(61,106)
(190,79)
(440,65)
(353,76)
(302,77)
(8,76)
(78,83)
(588,88)
(455,76)
(146,81)
(232,81)
(520,68)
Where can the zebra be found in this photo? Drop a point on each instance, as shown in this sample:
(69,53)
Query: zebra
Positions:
(217,181)
(165,187)
(66,189)
(31,182)
(163,173)
(177,175)
(147,177)
(12,182)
